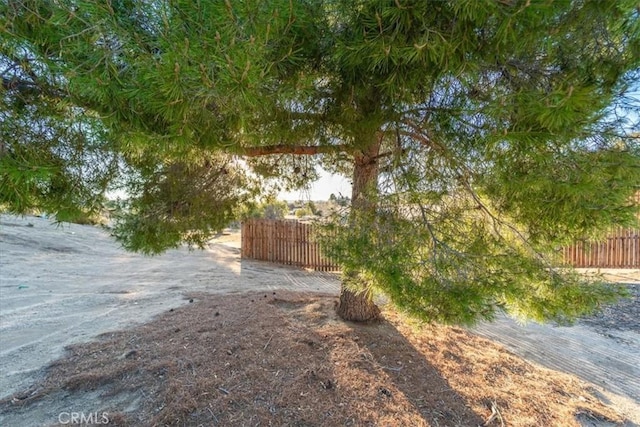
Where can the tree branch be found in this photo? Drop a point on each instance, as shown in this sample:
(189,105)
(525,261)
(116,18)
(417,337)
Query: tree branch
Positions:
(300,150)
(17,84)
(25,87)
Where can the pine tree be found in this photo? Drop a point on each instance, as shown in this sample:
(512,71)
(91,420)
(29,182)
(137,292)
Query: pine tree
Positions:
(481,135)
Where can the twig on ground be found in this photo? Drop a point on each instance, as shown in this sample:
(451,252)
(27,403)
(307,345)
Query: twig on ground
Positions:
(265,346)
(225,391)
(495,413)
(213,415)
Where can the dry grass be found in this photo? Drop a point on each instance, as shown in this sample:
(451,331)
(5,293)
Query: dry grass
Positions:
(286,360)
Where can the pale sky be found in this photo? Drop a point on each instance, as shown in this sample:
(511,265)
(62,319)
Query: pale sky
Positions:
(321,189)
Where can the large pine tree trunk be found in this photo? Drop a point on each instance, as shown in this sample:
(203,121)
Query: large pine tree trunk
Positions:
(359,306)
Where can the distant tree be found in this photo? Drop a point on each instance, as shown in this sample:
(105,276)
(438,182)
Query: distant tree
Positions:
(276,210)
(312,207)
(343,201)
(480,135)
(302,212)
(267,209)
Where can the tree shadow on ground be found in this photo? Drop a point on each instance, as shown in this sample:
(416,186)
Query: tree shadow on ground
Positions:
(403,373)
(372,374)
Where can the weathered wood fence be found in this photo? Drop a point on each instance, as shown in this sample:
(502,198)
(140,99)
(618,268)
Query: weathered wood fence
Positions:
(291,242)
(620,250)
(287,242)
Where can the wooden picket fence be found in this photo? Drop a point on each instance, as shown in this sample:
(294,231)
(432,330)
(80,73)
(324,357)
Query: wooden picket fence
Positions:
(290,242)
(620,250)
(287,242)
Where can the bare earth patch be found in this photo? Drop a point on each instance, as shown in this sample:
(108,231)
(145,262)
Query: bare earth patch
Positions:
(284,359)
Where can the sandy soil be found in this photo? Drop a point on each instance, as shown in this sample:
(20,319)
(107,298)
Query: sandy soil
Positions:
(65,285)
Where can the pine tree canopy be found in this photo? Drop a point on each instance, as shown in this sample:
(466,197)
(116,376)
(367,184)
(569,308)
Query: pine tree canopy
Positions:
(482,135)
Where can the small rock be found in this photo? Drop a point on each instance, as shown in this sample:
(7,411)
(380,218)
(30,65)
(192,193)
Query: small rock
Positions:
(327,385)
(128,354)
(385,392)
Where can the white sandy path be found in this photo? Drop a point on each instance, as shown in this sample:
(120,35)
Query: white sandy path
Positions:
(63,285)
(608,358)
(610,361)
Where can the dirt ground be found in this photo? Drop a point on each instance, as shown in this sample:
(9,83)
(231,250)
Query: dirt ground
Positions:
(283,358)
(203,338)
